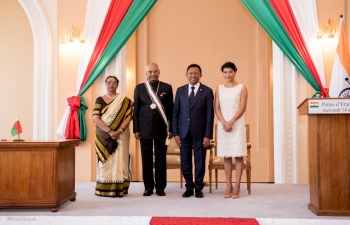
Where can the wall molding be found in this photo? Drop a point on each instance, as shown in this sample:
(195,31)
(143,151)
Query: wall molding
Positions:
(42,96)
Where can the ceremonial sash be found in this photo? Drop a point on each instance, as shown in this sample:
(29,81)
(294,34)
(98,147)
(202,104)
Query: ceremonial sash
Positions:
(156,100)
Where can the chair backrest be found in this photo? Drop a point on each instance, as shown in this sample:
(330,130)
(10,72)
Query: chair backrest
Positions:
(173,147)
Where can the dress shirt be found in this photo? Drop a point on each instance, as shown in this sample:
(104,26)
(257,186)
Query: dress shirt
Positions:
(196,87)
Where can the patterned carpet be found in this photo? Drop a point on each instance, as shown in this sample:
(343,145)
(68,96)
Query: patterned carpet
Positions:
(202,221)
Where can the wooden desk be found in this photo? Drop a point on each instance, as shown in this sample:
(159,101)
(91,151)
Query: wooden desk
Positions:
(37,173)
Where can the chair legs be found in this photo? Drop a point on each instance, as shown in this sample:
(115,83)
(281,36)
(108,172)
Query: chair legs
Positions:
(181,178)
(248,180)
(216,179)
(210,180)
(129,167)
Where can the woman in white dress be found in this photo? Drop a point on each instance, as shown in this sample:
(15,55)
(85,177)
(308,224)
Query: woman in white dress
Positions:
(230,104)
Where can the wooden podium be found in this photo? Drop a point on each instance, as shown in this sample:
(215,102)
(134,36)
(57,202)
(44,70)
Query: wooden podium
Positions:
(37,173)
(329,155)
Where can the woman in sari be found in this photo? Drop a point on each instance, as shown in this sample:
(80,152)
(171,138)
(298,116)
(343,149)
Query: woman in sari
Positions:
(112,115)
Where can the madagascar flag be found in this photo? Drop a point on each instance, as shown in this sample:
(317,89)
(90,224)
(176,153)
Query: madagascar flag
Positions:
(16,129)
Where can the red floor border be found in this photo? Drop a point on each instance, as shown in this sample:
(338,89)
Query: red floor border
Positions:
(202,221)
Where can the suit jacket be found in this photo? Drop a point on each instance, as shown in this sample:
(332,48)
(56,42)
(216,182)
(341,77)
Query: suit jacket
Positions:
(199,118)
(147,121)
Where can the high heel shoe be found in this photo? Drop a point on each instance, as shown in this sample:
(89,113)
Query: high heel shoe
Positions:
(229,196)
(236,196)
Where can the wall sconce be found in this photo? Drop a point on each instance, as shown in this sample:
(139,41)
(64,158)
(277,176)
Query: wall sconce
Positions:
(326,35)
(327,31)
(73,40)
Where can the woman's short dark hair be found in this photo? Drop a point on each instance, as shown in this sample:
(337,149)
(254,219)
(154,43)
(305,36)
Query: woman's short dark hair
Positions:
(229,65)
(194,65)
(116,79)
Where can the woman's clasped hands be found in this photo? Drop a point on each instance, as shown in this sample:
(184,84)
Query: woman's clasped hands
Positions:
(227,126)
(114,134)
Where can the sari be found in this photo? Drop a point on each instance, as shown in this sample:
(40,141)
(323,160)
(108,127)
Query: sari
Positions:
(113,175)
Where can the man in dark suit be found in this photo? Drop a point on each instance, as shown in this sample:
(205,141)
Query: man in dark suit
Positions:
(193,118)
(153,106)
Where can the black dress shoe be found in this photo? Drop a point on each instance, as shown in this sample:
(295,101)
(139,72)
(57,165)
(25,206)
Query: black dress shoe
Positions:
(199,194)
(160,193)
(187,193)
(148,192)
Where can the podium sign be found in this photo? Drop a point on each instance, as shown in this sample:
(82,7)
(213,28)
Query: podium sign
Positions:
(329,106)
(329,155)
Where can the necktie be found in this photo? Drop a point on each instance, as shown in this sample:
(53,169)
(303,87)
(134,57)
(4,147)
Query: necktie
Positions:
(191,98)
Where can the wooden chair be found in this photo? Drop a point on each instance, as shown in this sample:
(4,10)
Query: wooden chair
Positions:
(129,167)
(173,158)
(217,163)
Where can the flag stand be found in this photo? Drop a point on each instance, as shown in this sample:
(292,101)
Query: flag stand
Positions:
(17,129)
(18,139)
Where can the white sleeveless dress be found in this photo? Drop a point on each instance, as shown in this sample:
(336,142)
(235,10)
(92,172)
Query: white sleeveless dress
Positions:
(231,144)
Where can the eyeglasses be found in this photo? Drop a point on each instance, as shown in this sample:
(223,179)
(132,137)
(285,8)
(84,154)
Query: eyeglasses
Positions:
(111,83)
(154,71)
(193,73)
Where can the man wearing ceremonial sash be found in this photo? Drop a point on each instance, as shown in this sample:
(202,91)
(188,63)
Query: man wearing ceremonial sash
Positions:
(153,107)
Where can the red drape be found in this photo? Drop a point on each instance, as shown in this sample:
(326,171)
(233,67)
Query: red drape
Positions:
(72,129)
(286,16)
(115,15)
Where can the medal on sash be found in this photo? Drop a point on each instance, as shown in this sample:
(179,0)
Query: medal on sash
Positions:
(153,106)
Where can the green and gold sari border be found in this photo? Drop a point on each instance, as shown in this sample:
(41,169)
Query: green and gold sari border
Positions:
(112,189)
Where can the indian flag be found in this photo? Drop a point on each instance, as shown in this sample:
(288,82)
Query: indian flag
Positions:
(341,67)
(16,129)
(313,104)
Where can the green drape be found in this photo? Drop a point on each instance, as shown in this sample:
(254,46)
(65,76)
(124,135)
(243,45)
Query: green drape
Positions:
(82,121)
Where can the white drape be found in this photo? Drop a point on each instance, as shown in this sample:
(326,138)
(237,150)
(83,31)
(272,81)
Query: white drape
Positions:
(305,13)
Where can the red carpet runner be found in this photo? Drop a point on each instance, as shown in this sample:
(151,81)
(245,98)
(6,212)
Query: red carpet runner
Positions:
(202,221)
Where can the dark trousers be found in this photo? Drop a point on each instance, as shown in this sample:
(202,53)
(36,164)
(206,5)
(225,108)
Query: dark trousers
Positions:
(199,161)
(159,179)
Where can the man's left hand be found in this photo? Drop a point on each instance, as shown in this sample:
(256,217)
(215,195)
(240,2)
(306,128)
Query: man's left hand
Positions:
(206,142)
